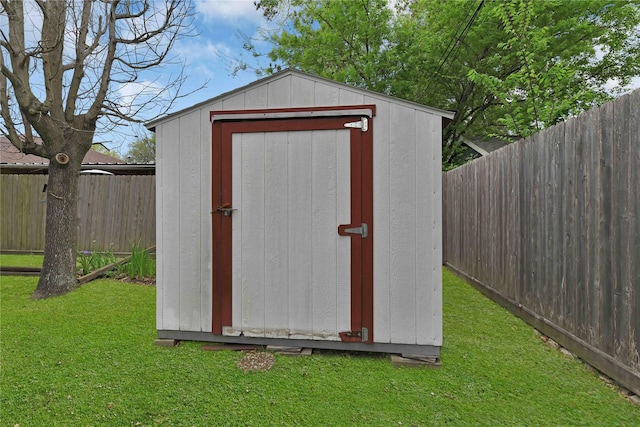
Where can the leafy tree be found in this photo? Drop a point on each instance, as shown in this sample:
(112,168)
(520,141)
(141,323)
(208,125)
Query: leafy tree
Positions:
(343,40)
(142,150)
(62,63)
(557,45)
(506,67)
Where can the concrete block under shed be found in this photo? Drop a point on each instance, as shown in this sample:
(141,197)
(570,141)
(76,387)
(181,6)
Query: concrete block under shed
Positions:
(415,361)
(290,350)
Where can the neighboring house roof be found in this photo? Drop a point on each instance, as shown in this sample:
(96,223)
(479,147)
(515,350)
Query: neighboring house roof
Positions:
(9,154)
(14,161)
(486,145)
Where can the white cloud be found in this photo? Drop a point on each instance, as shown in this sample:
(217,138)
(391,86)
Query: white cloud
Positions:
(207,51)
(134,95)
(613,86)
(229,10)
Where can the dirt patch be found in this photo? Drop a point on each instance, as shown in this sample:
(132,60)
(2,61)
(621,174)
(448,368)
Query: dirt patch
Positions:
(257,361)
(145,281)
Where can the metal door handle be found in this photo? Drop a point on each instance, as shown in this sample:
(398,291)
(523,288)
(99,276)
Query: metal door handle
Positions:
(225,209)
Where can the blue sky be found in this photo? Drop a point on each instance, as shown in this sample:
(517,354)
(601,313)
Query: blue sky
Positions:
(208,58)
(211,56)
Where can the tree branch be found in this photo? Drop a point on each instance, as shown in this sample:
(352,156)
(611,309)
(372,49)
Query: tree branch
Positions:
(78,69)
(53,27)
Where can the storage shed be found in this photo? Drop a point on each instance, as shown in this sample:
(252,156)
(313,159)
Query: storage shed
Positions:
(303,212)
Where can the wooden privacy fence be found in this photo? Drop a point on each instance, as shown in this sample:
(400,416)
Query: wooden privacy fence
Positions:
(550,227)
(113,212)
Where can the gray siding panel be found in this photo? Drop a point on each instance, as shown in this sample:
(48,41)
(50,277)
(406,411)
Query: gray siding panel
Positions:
(190,197)
(168,251)
(381,218)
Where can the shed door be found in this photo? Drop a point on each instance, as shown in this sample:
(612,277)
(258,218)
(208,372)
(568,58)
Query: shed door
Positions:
(291,256)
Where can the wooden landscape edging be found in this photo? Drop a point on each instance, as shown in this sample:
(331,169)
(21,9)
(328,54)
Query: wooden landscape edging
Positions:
(601,361)
(35,271)
(99,272)
(19,271)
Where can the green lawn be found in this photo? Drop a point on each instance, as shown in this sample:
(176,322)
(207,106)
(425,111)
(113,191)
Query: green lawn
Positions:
(10,260)
(88,358)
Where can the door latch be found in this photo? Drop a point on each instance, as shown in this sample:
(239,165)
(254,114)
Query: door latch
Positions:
(225,210)
(347,229)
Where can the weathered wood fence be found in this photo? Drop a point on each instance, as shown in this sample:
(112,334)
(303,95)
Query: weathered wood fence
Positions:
(113,212)
(550,227)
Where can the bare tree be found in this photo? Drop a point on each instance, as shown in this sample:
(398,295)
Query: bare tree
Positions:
(62,63)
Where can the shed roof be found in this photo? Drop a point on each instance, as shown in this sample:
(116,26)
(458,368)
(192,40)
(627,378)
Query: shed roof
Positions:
(291,72)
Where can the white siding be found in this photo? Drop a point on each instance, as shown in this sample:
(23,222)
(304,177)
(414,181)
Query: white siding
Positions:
(302,93)
(205,261)
(435,256)
(325,94)
(189,212)
(276,277)
(381,212)
(236,236)
(251,257)
(402,225)
(428,230)
(259,97)
(343,216)
(236,102)
(280,93)
(168,249)
(291,278)
(325,242)
(299,199)
(160,222)
(350,97)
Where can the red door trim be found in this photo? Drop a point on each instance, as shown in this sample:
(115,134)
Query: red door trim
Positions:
(367,218)
(356,240)
(220,246)
(337,109)
(361,210)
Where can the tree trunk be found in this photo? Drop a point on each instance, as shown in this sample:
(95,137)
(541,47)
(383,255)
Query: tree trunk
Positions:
(58,274)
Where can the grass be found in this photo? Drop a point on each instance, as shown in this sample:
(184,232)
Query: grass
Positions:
(87,359)
(10,260)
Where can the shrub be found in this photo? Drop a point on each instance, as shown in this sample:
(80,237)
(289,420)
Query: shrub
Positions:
(92,260)
(140,265)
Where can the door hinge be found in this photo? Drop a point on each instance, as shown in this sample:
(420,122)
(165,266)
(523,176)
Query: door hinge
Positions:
(362,124)
(355,336)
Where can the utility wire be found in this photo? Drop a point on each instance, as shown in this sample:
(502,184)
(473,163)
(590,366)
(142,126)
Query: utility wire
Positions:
(452,46)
